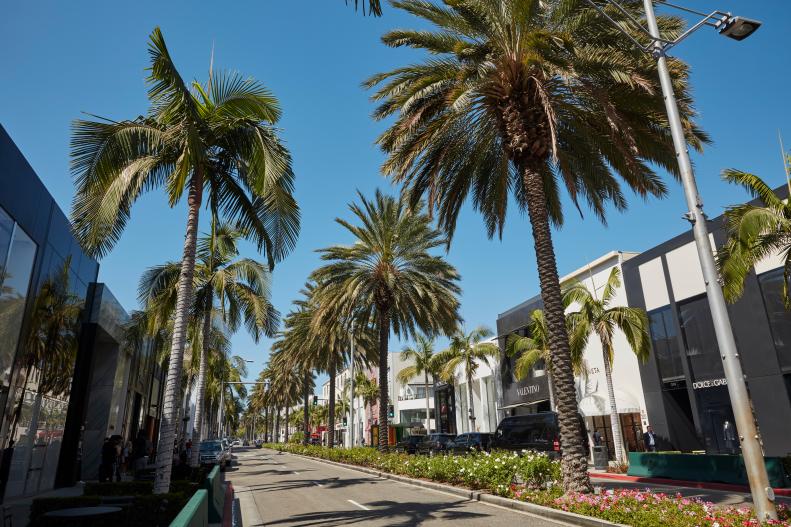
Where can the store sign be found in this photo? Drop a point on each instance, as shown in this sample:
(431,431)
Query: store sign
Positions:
(709,384)
(528,390)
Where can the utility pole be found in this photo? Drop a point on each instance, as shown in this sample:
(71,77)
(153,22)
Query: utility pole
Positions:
(351,395)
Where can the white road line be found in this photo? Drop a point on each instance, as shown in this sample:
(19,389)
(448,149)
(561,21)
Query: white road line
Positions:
(318,484)
(297,473)
(363,507)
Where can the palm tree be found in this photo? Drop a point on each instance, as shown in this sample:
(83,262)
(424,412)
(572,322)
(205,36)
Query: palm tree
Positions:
(598,316)
(468,351)
(422,354)
(535,347)
(227,287)
(219,137)
(374,6)
(519,98)
(388,279)
(754,233)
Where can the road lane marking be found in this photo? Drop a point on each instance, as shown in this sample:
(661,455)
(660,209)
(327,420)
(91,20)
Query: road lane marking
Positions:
(363,507)
(317,483)
(297,473)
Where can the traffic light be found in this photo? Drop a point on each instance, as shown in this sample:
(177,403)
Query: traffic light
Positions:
(315,400)
(390,411)
(345,420)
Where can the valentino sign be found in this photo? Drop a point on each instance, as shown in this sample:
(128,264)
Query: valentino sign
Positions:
(528,390)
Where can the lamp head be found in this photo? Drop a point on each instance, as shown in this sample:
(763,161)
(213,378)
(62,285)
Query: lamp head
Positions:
(739,28)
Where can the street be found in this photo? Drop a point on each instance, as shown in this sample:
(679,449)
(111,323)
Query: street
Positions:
(279,489)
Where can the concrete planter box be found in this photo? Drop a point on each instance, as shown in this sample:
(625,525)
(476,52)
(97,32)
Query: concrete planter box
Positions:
(701,467)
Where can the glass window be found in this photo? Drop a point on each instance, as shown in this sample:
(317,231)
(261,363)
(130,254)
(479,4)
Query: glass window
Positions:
(13,296)
(664,342)
(700,340)
(6,230)
(779,316)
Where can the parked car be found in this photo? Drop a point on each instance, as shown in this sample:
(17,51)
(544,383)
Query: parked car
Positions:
(409,444)
(538,432)
(435,444)
(213,453)
(470,442)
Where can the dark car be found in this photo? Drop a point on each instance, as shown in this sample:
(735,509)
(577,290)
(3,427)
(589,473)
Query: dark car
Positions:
(213,453)
(409,444)
(471,442)
(538,432)
(435,444)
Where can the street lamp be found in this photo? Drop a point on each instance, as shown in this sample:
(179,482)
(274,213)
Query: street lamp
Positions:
(737,28)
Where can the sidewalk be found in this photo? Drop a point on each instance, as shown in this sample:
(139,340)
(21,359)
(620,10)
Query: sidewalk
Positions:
(19,508)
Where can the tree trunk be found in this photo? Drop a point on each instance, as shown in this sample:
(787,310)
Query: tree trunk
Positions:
(428,407)
(551,386)
(615,421)
(331,408)
(574,463)
(183,304)
(286,435)
(277,424)
(471,401)
(201,384)
(384,398)
(266,424)
(306,410)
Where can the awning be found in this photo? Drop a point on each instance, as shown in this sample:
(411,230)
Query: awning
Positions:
(598,403)
(508,407)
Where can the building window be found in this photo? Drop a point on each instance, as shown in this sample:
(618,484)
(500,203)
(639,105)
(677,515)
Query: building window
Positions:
(700,340)
(664,340)
(779,317)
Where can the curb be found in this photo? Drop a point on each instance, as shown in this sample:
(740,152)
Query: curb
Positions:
(560,516)
(227,513)
(683,483)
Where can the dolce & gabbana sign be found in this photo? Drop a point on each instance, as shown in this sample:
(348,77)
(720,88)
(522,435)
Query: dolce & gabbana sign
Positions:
(709,384)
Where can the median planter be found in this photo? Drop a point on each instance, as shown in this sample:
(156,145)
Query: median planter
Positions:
(216,495)
(701,467)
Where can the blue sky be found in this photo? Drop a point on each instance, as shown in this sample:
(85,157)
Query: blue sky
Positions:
(63,58)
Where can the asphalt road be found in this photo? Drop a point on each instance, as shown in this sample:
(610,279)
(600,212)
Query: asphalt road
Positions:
(283,490)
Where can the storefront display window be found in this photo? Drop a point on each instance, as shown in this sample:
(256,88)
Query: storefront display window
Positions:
(700,340)
(779,317)
(664,340)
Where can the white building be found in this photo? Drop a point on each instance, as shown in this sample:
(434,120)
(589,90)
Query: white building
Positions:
(486,398)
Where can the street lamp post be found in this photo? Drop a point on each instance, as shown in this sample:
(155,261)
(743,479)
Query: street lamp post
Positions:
(351,395)
(737,28)
(221,413)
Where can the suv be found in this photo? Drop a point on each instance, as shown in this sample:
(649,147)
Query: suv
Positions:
(409,444)
(213,453)
(538,432)
(435,444)
(471,442)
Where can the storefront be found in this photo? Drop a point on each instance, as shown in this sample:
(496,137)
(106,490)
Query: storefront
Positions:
(445,400)
(685,387)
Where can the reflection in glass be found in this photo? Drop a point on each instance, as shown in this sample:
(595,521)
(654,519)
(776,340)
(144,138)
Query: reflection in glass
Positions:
(779,317)
(48,354)
(700,340)
(665,344)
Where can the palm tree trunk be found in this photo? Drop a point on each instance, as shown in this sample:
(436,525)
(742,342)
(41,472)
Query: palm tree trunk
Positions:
(286,436)
(277,424)
(266,424)
(471,402)
(428,408)
(574,463)
(615,421)
(201,383)
(331,416)
(306,410)
(183,303)
(384,399)
(551,386)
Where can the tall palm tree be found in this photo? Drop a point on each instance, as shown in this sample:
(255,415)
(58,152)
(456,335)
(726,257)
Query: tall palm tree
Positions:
(218,137)
(422,354)
(389,279)
(535,347)
(227,287)
(517,98)
(467,350)
(374,6)
(597,315)
(754,232)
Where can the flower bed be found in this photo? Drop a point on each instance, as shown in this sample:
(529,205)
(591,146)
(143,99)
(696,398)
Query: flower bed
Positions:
(534,478)
(494,472)
(643,508)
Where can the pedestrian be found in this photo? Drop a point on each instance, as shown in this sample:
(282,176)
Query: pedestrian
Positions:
(596,438)
(649,439)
